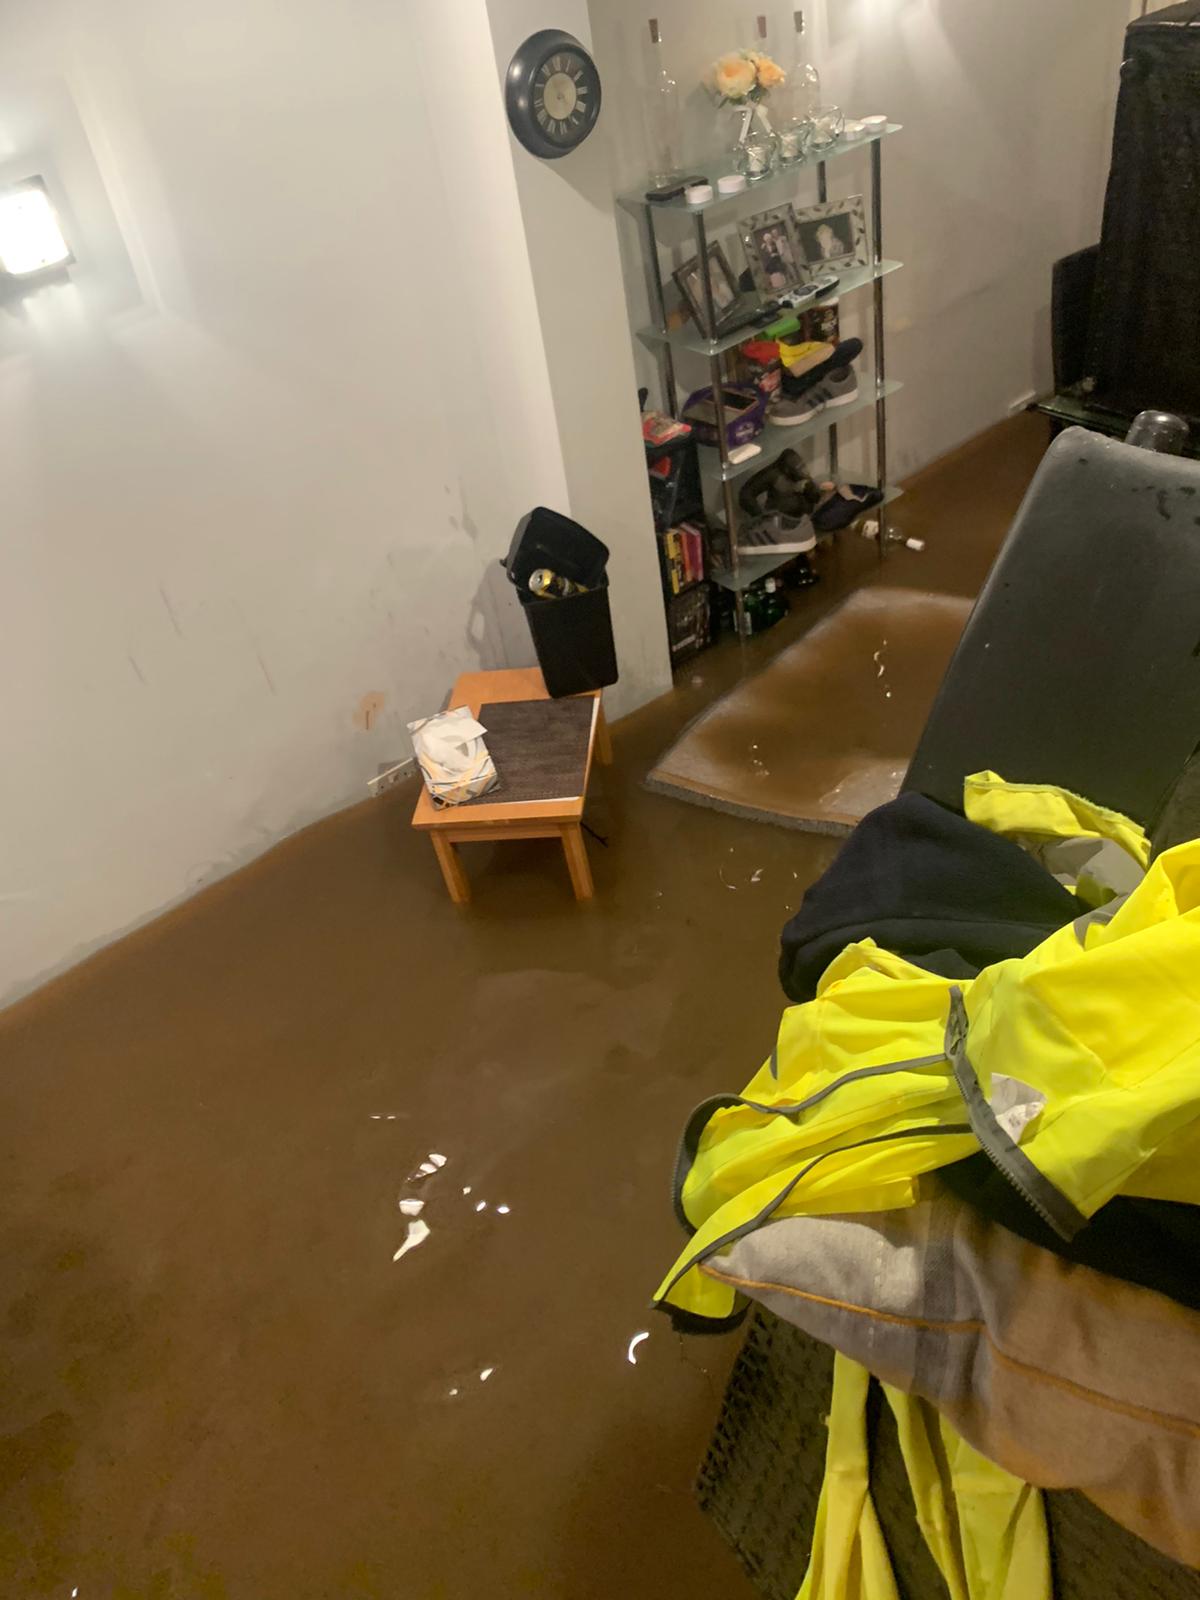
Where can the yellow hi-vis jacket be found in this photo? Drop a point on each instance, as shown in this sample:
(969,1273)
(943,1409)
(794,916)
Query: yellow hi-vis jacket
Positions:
(985,1529)
(1077,1070)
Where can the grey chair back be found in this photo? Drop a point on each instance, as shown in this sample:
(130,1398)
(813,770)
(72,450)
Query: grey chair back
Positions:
(1080,664)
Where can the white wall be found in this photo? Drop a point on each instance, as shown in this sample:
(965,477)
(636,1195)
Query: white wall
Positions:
(1000,170)
(568,213)
(260,456)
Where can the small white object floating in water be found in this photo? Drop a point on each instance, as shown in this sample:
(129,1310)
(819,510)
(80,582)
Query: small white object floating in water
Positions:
(486,1374)
(638,1338)
(438,1161)
(503,1210)
(412,1208)
(418,1232)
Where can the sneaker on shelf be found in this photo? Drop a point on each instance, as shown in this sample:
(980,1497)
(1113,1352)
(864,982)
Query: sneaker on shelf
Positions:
(777,535)
(793,501)
(789,412)
(804,356)
(845,354)
(792,465)
(837,388)
(782,488)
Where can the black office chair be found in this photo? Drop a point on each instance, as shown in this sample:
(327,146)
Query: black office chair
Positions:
(1080,664)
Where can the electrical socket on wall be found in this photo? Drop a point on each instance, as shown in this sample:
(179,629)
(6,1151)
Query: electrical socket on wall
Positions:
(390,776)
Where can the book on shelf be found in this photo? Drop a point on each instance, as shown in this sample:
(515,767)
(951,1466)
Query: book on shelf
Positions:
(682,556)
(673,560)
(693,551)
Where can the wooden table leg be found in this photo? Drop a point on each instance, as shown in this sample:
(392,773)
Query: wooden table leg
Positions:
(452,870)
(603,738)
(577,861)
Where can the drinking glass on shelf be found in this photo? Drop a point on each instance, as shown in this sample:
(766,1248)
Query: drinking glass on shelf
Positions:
(828,125)
(792,139)
(755,155)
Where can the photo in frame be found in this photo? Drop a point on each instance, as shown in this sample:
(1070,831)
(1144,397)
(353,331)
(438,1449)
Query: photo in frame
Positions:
(724,287)
(773,251)
(832,235)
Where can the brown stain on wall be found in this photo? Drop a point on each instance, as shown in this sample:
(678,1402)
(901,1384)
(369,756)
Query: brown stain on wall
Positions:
(369,709)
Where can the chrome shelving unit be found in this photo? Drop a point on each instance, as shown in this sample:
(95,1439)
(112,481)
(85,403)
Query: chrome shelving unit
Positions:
(715,466)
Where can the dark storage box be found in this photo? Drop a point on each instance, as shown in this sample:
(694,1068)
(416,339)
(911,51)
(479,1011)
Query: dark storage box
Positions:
(573,639)
(745,415)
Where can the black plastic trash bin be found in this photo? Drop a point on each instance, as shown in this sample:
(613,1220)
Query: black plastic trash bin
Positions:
(572,636)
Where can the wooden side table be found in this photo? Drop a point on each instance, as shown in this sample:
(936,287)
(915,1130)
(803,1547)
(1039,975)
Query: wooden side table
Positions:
(450,826)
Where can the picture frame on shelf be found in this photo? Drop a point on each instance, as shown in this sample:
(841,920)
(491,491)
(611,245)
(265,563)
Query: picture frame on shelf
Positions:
(832,234)
(724,287)
(773,251)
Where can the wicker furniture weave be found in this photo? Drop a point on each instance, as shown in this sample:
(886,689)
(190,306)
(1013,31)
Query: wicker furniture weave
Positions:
(762,1475)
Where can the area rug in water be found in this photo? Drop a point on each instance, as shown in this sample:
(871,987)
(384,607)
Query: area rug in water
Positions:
(825,733)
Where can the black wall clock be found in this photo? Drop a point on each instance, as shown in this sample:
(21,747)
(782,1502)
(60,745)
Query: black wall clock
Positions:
(552,93)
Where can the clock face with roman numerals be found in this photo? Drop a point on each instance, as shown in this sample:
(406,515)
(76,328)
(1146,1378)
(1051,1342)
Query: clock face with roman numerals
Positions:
(561,92)
(553,93)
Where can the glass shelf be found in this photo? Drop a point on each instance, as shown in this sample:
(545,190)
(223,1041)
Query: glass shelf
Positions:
(690,338)
(751,568)
(767,190)
(776,440)
(1071,408)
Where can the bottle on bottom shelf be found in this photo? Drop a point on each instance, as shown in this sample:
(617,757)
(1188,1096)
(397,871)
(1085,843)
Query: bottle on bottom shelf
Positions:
(763,605)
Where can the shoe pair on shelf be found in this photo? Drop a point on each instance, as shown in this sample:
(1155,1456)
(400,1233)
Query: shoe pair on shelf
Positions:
(778,503)
(830,383)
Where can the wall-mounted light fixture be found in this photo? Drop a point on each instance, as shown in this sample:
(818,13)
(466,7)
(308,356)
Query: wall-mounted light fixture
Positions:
(31,239)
